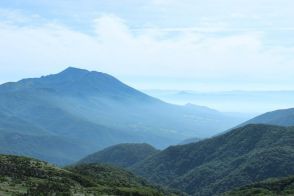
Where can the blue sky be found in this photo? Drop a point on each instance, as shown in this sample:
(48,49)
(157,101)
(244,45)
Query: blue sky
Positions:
(151,44)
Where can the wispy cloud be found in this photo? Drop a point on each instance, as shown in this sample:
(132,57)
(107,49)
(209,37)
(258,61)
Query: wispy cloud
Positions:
(208,50)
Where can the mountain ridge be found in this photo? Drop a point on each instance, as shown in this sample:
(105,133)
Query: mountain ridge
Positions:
(122,155)
(213,166)
(282,117)
(86,106)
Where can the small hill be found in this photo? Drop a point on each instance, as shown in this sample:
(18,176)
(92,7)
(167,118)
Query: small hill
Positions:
(237,158)
(271,187)
(283,117)
(122,155)
(22,176)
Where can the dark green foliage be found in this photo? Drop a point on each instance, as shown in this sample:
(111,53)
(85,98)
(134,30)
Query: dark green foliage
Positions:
(237,158)
(271,187)
(25,176)
(88,111)
(123,155)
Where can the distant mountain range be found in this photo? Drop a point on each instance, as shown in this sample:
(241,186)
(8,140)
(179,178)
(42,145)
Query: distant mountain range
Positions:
(62,117)
(214,166)
(238,101)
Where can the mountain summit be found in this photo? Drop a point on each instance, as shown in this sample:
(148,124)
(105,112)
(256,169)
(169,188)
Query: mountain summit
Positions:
(74,81)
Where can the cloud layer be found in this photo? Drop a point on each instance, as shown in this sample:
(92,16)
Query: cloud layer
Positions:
(212,53)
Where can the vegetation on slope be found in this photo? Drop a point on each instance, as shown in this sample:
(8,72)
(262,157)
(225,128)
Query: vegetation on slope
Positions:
(240,157)
(26,176)
(122,155)
(271,187)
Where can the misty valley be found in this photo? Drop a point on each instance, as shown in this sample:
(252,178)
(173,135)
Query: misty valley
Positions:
(146,98)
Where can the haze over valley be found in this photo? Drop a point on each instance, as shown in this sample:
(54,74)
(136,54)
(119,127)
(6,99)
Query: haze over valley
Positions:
(76,108)
(250,103)
(146,98)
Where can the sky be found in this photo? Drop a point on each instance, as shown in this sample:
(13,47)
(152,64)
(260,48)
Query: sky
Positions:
(210,45)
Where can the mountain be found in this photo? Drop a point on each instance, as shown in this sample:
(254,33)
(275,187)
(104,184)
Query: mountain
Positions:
(189,141)
(26,176)
(88,111)
(237,158)
(271,187)
(250,102)
(283,117)
(122,155)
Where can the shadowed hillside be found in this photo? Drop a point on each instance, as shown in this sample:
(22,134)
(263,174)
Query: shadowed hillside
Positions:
(242,156)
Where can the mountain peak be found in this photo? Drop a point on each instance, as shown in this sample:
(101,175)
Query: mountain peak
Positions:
(74,70)
(75,81)
(75,73)
(71,74)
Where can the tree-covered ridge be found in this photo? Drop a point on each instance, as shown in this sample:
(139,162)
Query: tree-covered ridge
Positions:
(271,187)
(26,176)
(240,157)
(122,155)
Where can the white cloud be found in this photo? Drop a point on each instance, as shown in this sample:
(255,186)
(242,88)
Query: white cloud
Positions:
(118,49)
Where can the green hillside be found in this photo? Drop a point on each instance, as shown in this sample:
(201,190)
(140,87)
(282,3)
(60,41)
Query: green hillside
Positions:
(271,187)
(122,155)
(26,176)
(240,157)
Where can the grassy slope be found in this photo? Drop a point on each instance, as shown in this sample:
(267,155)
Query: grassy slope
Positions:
(20,175)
